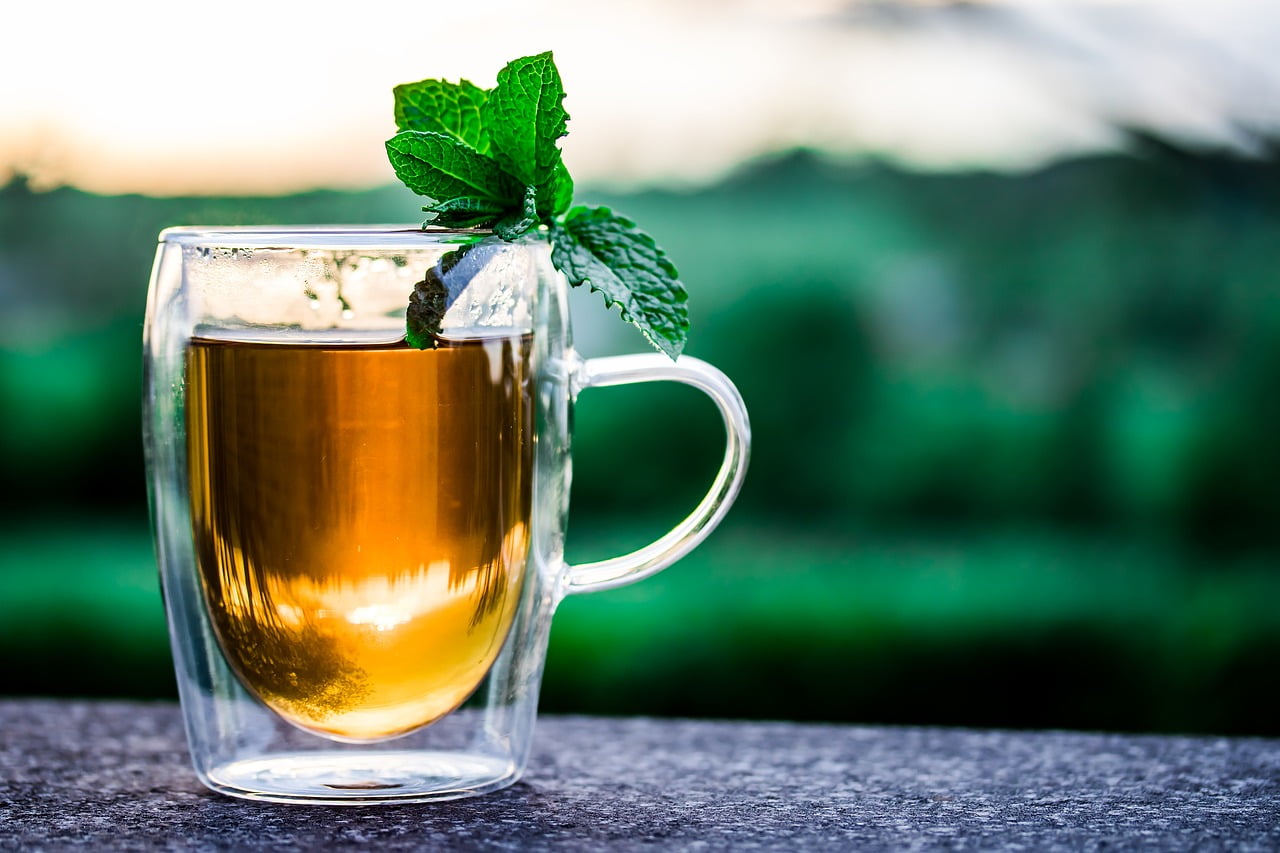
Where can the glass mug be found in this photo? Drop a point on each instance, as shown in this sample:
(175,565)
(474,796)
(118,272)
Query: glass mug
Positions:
(361,544)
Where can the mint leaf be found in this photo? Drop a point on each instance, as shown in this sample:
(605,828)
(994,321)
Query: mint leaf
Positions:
(427,305)
(525,117)
(555,196)
(624,264)
(517,222)
(466,212)
(442,284)
(439,106)
(441,168)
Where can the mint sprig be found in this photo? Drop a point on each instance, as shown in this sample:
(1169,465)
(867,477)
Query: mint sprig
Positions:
(491,159)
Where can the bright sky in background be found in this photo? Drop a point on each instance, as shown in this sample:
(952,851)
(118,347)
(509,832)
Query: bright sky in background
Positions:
(263,97)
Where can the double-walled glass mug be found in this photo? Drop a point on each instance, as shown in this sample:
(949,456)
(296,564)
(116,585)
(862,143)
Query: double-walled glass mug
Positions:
(361,544)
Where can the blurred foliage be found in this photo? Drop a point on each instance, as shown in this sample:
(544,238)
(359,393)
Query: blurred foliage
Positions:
(1015,458)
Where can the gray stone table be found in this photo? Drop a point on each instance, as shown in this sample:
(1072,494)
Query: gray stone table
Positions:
(114,775)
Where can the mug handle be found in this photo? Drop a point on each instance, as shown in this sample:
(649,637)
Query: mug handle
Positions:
(685,536)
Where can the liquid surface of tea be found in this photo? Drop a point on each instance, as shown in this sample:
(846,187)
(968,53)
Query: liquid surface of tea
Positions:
(360,517)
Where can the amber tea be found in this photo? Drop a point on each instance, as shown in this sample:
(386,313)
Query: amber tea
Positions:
(361,521)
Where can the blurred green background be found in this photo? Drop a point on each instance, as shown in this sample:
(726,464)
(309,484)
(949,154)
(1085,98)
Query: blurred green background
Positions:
(1016,456)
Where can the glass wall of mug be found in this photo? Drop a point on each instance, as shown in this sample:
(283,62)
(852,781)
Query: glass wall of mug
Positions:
(361,542)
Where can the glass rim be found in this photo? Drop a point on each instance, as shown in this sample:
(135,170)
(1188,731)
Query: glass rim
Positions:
(316,236)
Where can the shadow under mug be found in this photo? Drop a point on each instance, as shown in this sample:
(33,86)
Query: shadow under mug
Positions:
(361,544)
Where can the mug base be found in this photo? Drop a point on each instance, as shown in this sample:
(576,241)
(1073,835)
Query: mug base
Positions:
(361,777)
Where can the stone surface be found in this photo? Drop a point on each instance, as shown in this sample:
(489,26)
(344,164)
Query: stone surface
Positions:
(115,775)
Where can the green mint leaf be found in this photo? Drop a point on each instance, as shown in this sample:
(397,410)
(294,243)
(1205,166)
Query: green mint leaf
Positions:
(623,263)
(440,167)
(466,212)
(555,196)
(525,117)
(439,106)
(519,221)
(462,220)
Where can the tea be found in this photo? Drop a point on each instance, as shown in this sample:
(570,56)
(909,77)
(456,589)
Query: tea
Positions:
(361,521)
